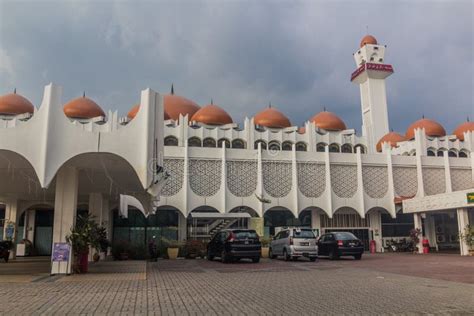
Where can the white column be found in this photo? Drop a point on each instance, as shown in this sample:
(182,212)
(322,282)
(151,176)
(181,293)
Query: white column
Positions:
(30,216)
(463,221)
(418,224)
(12,216)
(65,205)
(430,230)
(316,221)
(375,219)
(182,227)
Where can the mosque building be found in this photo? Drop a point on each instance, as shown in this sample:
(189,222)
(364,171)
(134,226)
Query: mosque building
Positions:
(58,160)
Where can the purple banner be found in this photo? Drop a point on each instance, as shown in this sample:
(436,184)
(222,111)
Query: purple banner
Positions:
(61,252)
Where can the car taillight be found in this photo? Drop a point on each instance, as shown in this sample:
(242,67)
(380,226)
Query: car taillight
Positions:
(340,243)
(231,237)
(291,241)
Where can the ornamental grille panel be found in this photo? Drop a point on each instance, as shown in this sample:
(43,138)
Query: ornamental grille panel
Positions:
(375,181)
(461,179)
(434,181)
(344,180)
(175,167)
(311,179)
(405,181)
(344,221)
(205,176)
(277,178)
(242,177)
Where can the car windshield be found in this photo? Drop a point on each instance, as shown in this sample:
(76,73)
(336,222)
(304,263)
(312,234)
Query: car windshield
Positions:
(242,234)
(304,233)
(345,236)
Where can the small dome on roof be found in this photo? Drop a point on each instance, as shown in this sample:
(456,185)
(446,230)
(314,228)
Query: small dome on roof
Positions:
(82,108)
(15,104)
(134,110)
(393,138)
(271,117)
(368,39)
(464,127)
(328,121)
(212,115)
(174,105)
(432,128)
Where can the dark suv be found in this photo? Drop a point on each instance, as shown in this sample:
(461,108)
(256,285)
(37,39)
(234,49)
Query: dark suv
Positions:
(234,244)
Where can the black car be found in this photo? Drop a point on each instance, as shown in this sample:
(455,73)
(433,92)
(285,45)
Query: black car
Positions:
(234,244)
(340,244)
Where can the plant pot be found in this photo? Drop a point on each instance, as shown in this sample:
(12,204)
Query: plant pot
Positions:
(471,252)
(265,251)
(96,257)
(172,253)
(84,262)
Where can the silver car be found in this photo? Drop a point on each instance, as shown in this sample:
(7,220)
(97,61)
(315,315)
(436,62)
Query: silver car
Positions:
(292,243)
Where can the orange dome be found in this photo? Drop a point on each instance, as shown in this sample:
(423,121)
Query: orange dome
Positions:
(271,117)
(82,108)
(392,138)
(368,39)
(176,105)
(302,130)
(212,115)
(134,110)
(464,127)
(328,121)
(14,104)
(432,128)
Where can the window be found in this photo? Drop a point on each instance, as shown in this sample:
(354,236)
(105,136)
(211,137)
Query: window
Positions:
(304,233)
(286,146)
(300,146)
(225,141)
(452,153)
(440,153)
(194,142)
(362,148)
(334,148)
(264,145)
(321,147)
(238,143)
(209,142)
(346,148)
(431,153)
(380,59)
(462,154)
(171,141)
(274,146)
(371,58)
(345,236)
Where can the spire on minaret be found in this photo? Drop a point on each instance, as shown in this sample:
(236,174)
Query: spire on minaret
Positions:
(172,88)
(270,104)
(14,91)
(212,102)
(84,94)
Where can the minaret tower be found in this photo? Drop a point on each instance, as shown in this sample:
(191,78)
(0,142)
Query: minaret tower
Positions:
(370,75)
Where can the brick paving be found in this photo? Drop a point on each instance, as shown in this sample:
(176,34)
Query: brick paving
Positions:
(272,287)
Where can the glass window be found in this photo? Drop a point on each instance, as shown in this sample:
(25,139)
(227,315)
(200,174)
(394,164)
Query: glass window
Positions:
(171,141)
(209,142)
(304,233)
(242,234)
(345,236)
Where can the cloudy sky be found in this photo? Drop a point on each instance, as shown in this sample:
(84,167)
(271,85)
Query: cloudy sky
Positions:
(243,54)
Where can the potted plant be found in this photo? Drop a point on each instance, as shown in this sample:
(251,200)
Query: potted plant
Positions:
(82,237)
(265,241)
(102,242)
(468,237)
(193,248)
(415,234)
(172,248)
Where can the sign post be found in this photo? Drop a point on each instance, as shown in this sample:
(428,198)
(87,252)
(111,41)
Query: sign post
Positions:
(61,253)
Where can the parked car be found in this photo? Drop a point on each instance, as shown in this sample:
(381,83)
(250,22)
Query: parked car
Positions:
(234,244)
(339,244)
(293,243)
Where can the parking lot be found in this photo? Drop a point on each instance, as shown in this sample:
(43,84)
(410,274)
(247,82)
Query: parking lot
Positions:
(383,283)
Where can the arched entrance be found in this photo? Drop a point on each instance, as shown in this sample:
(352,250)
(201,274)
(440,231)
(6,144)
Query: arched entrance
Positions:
(346,219)
(277,218)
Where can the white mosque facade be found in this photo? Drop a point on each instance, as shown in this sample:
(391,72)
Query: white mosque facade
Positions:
(59,160)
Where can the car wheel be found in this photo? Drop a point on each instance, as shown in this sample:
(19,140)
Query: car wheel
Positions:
(270,254)
(256,259)
(210,257)
(312,259)
(332,255)
(286,256)
(358,257)
(224,257)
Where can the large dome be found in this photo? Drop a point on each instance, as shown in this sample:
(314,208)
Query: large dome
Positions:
(212,115)
(368,39)
(271,117)
(82,108)
(14,104)
(328,121)
(134,110)
(392,138)
(432,128)
(464,127)
(176,105)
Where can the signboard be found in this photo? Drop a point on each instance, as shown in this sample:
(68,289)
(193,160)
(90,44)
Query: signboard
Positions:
(61,252)
(10,231)
(470,197)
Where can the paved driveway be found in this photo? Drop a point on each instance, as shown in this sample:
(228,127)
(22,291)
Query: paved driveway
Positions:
(378,284)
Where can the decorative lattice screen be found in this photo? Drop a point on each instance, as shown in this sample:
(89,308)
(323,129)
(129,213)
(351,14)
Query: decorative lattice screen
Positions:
(242,177)
(277,178)
(344,180)
(405,181)
(461,179)
(375,181)
(175,167)
(434,181)
(205,176)
(311,179)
